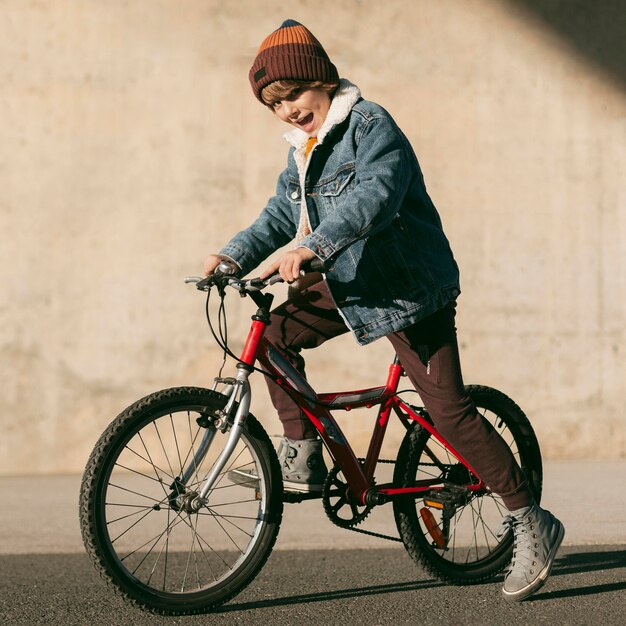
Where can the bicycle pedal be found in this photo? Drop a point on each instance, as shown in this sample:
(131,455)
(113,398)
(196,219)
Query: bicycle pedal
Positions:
(449,498)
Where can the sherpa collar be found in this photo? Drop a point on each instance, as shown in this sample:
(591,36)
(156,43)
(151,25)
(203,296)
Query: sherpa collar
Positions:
(345,98)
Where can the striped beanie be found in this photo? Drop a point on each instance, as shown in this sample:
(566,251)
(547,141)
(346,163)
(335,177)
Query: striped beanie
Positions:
(290,53)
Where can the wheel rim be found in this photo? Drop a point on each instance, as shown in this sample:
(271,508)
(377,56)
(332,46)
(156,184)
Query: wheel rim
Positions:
(153,538)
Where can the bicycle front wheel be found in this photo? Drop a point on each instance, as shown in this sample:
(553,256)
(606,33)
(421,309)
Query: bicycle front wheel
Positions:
(138,524)
(454,533)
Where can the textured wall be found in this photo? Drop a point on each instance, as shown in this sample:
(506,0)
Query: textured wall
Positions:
(132,146)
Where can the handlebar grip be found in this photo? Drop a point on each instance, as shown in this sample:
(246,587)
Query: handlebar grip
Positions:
(314,265)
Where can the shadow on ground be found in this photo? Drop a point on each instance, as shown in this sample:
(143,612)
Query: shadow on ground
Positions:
(374,586)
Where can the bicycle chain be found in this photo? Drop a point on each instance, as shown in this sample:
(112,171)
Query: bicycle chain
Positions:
(370,532)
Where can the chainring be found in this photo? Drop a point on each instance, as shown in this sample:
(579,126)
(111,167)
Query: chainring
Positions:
(337,505)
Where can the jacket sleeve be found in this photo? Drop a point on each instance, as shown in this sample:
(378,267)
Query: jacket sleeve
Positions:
(271,230)
(383,175)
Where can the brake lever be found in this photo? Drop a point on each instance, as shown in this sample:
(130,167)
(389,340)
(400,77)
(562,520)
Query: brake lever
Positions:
(204,284)
(201,283)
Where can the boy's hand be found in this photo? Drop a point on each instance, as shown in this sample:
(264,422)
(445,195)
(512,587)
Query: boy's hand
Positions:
(211,262)
(289,264)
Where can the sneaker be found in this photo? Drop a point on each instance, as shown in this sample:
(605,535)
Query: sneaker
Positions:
(302,464)
(537,535)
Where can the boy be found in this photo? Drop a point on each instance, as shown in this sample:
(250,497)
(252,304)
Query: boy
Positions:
(353,195)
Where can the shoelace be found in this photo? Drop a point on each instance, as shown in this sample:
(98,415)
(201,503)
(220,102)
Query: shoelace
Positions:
(522,549)
(507,522)
(291,452)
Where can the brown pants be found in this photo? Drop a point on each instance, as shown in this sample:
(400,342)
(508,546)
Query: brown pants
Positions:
(429,353)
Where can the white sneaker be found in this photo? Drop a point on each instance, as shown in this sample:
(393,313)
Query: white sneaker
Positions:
(538,535)
(301,463)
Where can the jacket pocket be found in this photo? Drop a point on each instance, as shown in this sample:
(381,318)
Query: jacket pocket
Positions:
(341,181)
(293,190)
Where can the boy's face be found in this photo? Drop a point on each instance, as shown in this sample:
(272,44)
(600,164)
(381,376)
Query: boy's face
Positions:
(305,109)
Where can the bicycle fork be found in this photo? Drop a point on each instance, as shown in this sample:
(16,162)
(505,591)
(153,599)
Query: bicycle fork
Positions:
(238,391)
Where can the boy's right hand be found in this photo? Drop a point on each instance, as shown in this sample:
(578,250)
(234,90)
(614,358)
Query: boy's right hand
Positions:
(211,262)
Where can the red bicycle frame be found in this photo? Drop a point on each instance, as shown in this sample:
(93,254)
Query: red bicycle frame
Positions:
(318,409)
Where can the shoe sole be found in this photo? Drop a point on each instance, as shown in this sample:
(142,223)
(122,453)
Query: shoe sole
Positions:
(243,479)
(522,594)
(301,487)
(247,480)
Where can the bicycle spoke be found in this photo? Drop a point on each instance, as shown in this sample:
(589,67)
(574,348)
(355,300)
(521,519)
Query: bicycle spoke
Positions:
(157,537)
(475,541)
(182,588)
(202,539)
(225,518)
(158,558)
(132,506)
(256,518)
(195,556)
(214,506)
(131,526)
(140,473)
(141,495)
(206,558)
(221,475)
(167,545)
(119,519)
(501,509)
(224,472)
(176,443)
(191,448)
(143,458)
(216,518)
(167,458)
(208,545)
(151,462)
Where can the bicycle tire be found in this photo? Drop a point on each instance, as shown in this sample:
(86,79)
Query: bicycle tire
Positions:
(128,495)
(468,549)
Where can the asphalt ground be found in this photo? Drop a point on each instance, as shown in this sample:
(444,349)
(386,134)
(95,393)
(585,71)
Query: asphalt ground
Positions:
(588,586)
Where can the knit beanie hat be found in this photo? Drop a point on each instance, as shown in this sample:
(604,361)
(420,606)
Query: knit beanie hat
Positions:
(290,53)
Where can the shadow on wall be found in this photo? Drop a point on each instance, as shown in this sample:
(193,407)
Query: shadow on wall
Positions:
(595,28)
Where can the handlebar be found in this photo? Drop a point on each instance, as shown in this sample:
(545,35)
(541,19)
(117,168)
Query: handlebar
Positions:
(225,275)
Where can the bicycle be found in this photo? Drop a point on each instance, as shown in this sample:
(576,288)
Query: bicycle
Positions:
(182,497)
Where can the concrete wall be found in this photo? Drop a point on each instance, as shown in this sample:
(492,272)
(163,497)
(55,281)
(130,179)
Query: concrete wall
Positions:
(132,146)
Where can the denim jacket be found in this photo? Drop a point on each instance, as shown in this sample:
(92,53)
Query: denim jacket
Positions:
(388,263)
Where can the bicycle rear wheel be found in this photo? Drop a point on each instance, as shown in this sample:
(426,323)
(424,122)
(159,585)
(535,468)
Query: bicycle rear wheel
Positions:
(454,533)
(137,522)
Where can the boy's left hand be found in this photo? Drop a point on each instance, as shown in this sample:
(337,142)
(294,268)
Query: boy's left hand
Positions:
(289,264)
